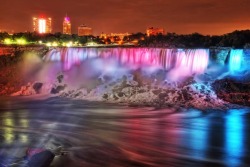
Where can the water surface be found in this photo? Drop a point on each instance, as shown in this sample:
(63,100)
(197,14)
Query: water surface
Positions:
(98,134)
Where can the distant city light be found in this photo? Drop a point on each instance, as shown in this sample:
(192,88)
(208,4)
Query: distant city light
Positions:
(66,25)
(69,44)
(21,41)
(92,44)
(67,19)
(42,25)
(48,44)
(55,44)
(8,41)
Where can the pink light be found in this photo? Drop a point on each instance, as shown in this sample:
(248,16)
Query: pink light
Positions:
(191,61)
(42,25)
(67,19)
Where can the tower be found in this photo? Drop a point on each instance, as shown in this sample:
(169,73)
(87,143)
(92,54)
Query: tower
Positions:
(66,25)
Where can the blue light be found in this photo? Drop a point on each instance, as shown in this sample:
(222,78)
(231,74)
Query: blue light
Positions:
(235,62)
(234,138)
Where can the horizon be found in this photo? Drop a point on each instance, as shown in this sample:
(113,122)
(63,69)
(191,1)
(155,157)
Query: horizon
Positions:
(206,17)
(131,33)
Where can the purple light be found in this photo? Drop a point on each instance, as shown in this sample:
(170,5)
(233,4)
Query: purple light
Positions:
(192,60)
(67,19)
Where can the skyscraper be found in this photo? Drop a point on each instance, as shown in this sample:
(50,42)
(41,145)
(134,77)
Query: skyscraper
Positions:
(42,25)
(66,25)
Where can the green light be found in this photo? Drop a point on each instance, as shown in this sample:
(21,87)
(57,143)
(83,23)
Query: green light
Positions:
(48,44)
(8,41)
(54,44)
(21,41)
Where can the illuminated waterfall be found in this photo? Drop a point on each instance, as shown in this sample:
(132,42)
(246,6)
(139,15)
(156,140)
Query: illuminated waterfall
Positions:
(235,62)
(194,60)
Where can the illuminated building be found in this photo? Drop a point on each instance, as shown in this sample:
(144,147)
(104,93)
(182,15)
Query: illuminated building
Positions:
(42,25)
(66,26)
(103,35)
(120,35)
(115,37)
(154,31)
(83,30)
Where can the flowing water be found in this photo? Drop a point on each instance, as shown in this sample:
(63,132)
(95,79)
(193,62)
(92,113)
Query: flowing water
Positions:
(195,60)
(98,134)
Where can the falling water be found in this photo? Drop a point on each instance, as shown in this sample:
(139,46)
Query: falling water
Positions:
(194,60)
(236,58)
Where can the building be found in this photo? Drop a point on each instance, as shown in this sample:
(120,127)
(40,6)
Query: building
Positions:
(154,31)
(103,35)
(120,35)
(42,25)
(66,25)
(83,30)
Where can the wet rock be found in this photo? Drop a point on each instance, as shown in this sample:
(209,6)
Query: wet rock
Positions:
(120,94)
(186,95)
(142,91)
(60,78)
(57,89)
(137,76)
(156,92)
(105,96)
(162,95)
(78,94)
(37,87)
(233,91)
(115,97)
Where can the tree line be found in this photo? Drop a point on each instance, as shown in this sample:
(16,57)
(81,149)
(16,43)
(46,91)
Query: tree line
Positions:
(235,39)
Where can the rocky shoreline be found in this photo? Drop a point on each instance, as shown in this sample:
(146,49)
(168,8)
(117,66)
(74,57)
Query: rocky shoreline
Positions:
(233,91)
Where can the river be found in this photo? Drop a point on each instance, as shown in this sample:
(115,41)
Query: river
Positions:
(98,134)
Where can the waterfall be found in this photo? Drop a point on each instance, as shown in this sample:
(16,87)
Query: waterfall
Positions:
(236,60)
(194,60)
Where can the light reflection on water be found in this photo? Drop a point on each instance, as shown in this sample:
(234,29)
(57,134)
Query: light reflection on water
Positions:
(98,134)
(234,143)
(8,126)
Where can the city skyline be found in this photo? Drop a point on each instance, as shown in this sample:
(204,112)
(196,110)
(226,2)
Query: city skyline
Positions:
(188,16)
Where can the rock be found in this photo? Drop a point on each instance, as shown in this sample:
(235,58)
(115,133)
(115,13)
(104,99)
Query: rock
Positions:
(105,96)
(162,95)
(37,87)
(137,76)
(42,159)
(156,92)
(115,97)
(60,78)
(78,94)
(233,91)
(142,91)
(58,89)
(186,95)
(120,94)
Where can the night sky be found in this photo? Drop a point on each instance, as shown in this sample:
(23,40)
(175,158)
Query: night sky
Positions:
(180,16)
